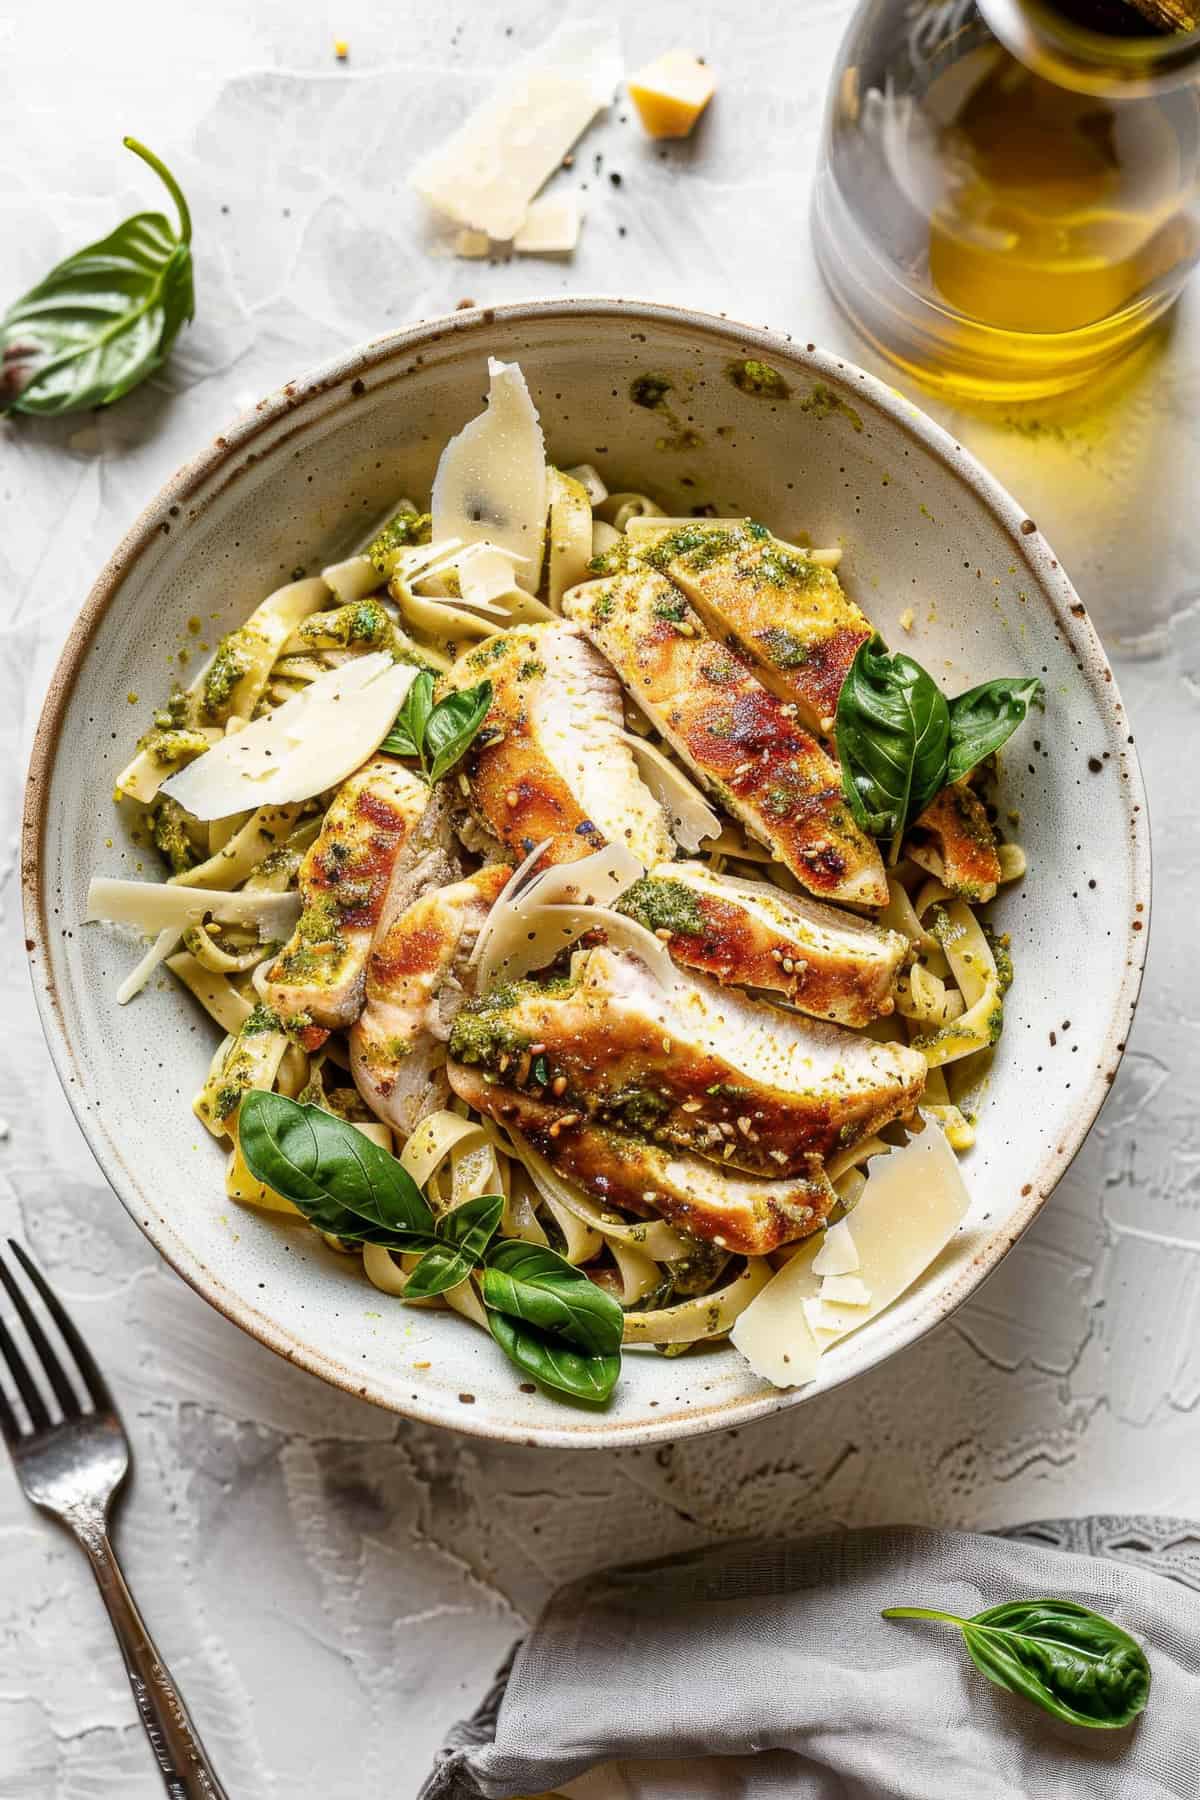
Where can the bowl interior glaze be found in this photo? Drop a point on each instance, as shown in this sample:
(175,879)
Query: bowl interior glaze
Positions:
(830,452)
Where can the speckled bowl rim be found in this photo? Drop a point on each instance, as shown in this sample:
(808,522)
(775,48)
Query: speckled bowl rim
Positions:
(348,371)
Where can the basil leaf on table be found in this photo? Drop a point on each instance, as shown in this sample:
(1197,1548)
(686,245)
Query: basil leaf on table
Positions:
(408,728)
(551,1362)
(464,1233)
(537,1286)
(893,733)
(1073,1663)
(328,1169)
(103,319)
(984,718)
(453,725)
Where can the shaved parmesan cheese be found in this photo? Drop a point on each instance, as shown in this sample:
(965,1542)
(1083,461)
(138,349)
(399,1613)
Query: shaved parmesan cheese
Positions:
(595,880)
(166,941)
(845,1290)
(491,478)
(308,744)
(913,1203)
(152,907)
(838,1254)
(485,573)
(486,174)
(690,816)
(551,226)
(529,925)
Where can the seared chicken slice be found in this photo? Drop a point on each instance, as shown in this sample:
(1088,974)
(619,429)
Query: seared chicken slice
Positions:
(734,1211)
(550,761)
(750,934)
(345,880)
(743,743)
(954,841)
(789,615)
(691,1064)
(417,979)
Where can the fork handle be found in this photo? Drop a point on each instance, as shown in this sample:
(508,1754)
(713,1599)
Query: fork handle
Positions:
(183,1764)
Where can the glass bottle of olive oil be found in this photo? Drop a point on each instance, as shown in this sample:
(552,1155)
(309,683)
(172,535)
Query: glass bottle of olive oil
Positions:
(1008,199)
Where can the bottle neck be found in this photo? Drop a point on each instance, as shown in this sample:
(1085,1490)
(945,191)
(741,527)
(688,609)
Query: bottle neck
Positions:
(1091,62)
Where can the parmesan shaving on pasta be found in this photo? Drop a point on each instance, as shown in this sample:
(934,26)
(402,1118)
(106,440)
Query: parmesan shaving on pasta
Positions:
(491,479)
(514,931)
(690,816)
(153,906)
(303,747)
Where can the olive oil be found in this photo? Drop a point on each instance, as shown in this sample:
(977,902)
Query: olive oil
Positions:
(995,232)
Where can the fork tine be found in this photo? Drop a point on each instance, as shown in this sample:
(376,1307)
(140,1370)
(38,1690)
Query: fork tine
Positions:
(9,1428)
(65,1393)
(35,1406)
(93,1380)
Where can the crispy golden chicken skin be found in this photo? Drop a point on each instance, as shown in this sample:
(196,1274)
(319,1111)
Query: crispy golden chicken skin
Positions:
(737,1212)
(954,841)
(751,934)
(550,761)
(417,979)
(691,1064)
(743,742)
(787,614)
(345,881)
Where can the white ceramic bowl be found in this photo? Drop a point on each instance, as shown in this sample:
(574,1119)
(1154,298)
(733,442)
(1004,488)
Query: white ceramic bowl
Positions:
(840,456)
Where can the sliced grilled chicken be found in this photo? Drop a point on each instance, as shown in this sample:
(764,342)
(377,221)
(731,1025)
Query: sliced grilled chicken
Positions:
(417,979)
(366,848)
(692,1064)
(750,934)
(954,841)
(550,761)
(789,615)
(743,743)
(734,1211)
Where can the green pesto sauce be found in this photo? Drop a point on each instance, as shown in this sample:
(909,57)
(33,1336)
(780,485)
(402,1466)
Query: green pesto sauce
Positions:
(670,606)
(172,746)
(232,661)
(175,713)
(408,527)
(1001,948)
(603,607)
(700,544)
(492,650)
(638,1108)
(663,905)
(167,828)
(361,622)
(783,648)
(531,669)
(757,378)
(822,402)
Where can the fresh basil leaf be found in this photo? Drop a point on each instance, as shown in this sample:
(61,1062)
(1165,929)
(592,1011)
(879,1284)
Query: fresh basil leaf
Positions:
(984,718)
(1073,1663)
(407,736)
(538,1286)
(442,1266)
(453,725)
(472,1226)
(551,1363)
(892,732)
(328,1169)
(103,319)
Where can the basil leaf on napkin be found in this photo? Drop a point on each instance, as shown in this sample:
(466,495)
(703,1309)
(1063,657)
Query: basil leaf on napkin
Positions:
(1073,1663)
(103,319)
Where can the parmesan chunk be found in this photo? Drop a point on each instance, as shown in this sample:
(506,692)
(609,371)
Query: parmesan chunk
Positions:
(473,245)
(671,92)
(488,172)
(308,744)
(845,1290)
(491,478)
(551,226)
(838,1254)
(913,1203)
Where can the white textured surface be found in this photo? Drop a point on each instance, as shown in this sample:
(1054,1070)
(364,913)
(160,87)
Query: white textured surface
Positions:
(333,1586)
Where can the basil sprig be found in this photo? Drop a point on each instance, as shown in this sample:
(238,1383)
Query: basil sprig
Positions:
(547,1316)
(1073,1663)
(900,741)
(104,319)
(438,735)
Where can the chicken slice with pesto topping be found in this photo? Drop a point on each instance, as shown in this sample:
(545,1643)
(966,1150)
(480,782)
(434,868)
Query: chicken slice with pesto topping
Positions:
(418,977)
(744,743)
(751,934)
(955,842)
(550,761)
(736,1212)
(366,845)
(691,1064)
(787,614)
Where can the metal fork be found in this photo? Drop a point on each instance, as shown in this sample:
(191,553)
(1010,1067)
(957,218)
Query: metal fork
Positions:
(73,1467)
